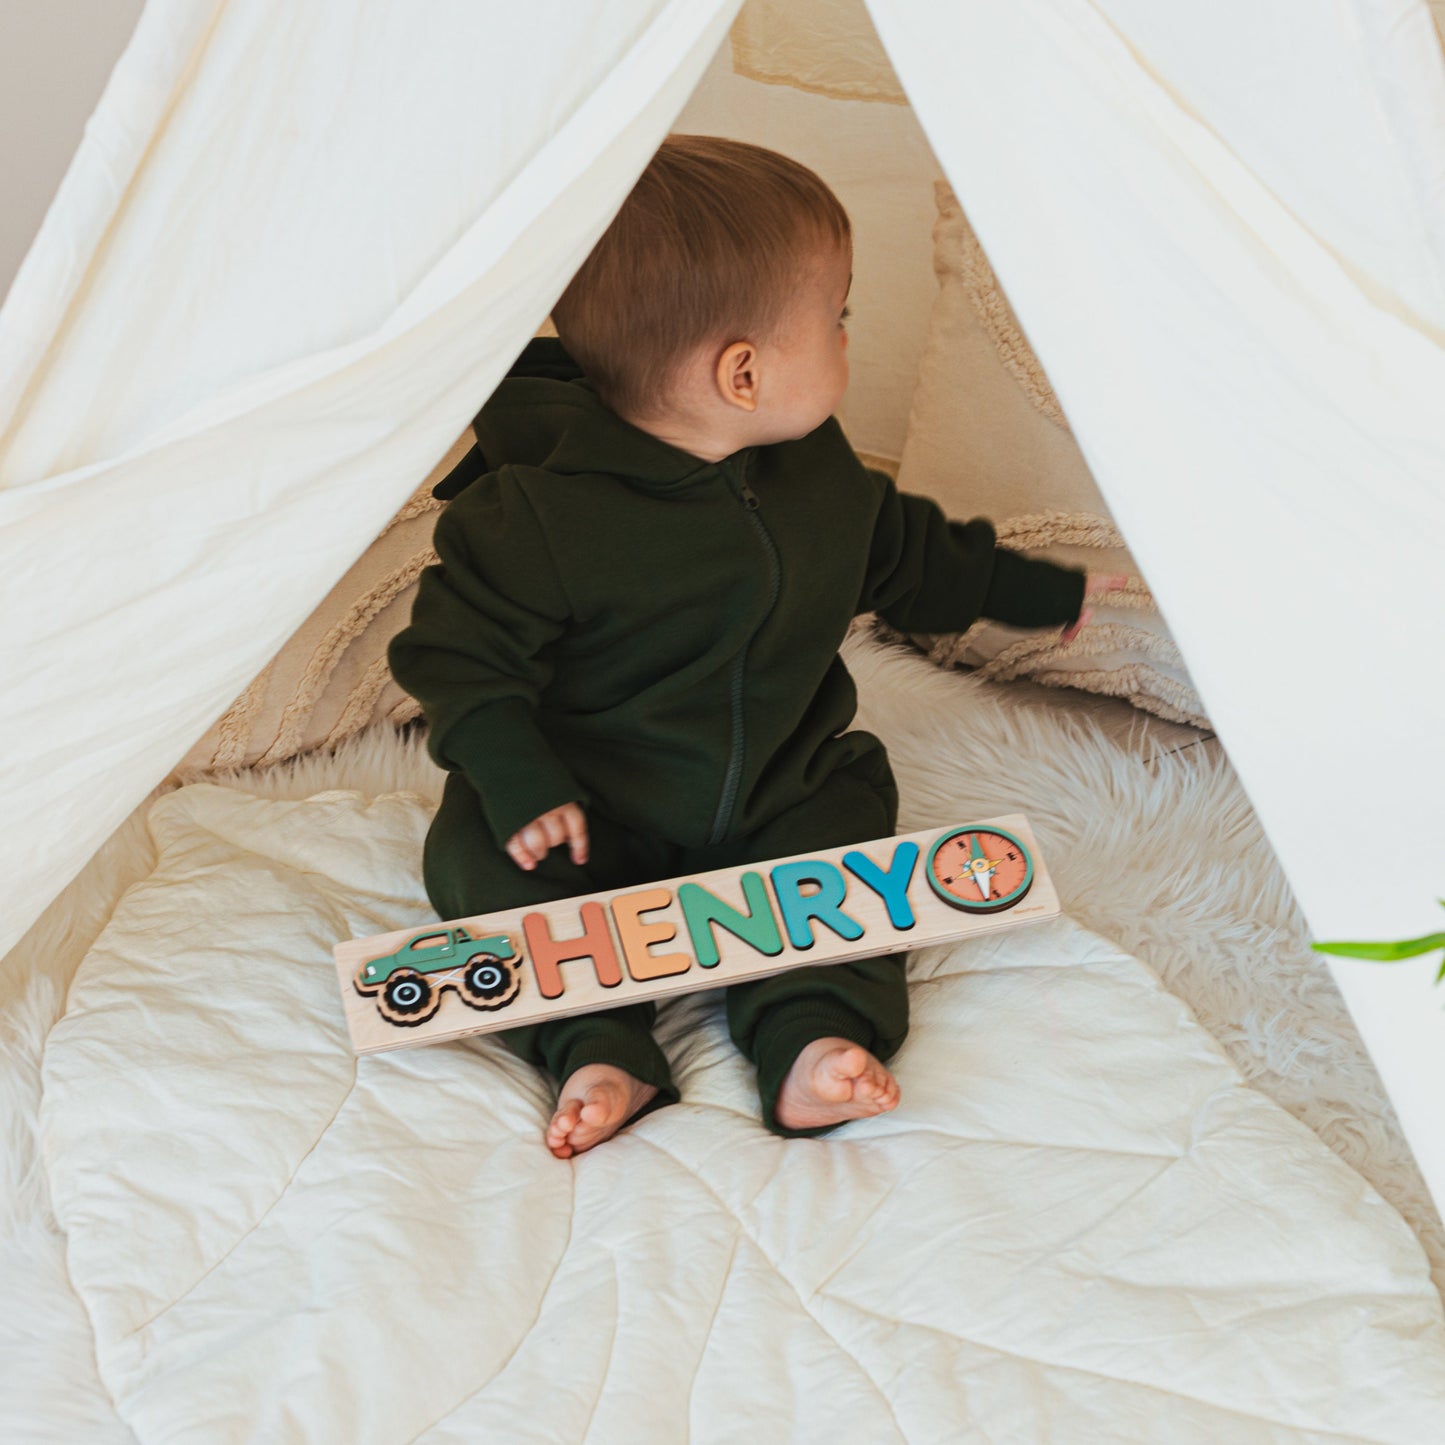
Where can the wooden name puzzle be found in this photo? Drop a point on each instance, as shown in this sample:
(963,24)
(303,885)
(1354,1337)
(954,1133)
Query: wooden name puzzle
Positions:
(441,981)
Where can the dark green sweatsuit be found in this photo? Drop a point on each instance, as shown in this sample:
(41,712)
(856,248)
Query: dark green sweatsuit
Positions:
(616,622)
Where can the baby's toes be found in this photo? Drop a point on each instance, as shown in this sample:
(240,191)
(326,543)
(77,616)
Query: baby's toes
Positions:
(559,1131)
(843,1070)
(599,1116)
(877,1088)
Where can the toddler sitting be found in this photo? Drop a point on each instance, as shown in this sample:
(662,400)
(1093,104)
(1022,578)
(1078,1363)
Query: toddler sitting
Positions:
(628,655)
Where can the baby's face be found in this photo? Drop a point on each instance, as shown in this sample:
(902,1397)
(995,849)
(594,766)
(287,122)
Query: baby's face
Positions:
(808,373)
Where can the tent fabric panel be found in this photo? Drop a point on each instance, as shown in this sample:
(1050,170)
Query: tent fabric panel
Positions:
(313,165)
(1337,110)
(150,583)
(1263,418)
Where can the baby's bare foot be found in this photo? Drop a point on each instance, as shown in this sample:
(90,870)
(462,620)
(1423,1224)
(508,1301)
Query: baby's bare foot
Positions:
(833,1080)
(594,1103)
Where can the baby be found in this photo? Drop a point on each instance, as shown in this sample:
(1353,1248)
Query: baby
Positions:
(628,655)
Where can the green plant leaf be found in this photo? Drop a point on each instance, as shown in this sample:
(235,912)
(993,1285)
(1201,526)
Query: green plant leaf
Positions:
(1384,952)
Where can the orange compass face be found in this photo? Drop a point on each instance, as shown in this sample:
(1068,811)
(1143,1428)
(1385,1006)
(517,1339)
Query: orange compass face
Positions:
(980,870)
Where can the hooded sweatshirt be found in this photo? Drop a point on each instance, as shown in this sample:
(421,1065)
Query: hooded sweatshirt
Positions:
(619,623)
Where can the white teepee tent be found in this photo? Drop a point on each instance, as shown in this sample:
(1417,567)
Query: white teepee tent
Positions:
(260,308)
(297,248)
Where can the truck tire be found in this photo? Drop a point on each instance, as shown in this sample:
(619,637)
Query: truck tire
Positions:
(408,999)
(489,982)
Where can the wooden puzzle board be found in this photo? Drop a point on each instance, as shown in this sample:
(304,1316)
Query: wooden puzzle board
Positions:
(662,929)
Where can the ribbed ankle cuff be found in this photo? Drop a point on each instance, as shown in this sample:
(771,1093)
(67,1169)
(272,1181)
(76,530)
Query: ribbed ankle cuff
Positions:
(784,1034)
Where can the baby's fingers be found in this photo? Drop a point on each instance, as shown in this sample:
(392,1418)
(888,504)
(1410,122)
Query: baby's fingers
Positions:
(1077,626)
(1099,583)
(575,822)
(528,846)
(1096,585)
(552,829)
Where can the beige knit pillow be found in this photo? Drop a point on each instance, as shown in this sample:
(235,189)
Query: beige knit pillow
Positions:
(331,679)
(987,437)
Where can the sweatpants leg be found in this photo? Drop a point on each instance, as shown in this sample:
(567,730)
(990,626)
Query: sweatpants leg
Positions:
(866,1000)
(467,873)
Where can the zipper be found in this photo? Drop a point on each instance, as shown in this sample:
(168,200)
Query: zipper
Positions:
(722,819)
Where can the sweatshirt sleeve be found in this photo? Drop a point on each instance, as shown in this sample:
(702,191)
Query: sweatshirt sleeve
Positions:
(475,655)
(928,574)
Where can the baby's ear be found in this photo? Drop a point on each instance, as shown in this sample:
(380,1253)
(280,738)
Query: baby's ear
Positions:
(737,375)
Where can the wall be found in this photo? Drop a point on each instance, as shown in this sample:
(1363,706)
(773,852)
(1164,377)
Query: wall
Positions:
(55,58)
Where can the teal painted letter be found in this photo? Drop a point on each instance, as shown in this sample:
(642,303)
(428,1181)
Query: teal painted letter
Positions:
(798,907)
(757,927)
(892,886)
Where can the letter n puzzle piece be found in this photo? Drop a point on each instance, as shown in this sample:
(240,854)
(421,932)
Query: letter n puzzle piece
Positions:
(702,909)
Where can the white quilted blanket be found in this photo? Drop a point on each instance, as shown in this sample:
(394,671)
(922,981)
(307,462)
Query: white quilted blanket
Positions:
(1079,1226)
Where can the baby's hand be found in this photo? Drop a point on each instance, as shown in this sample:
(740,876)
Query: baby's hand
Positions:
(567,824)
(1095,585)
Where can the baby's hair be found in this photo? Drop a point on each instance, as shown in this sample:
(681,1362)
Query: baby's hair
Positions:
(711,245)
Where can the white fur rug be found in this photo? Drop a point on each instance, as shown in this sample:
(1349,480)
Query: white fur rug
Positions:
(1146,854)
(1152,856)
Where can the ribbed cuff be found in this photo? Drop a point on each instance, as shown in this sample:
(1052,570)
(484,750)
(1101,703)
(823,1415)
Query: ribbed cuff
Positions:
(786,1031)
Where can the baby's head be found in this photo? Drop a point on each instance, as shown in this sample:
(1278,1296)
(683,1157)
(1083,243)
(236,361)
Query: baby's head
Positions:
(711,311)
